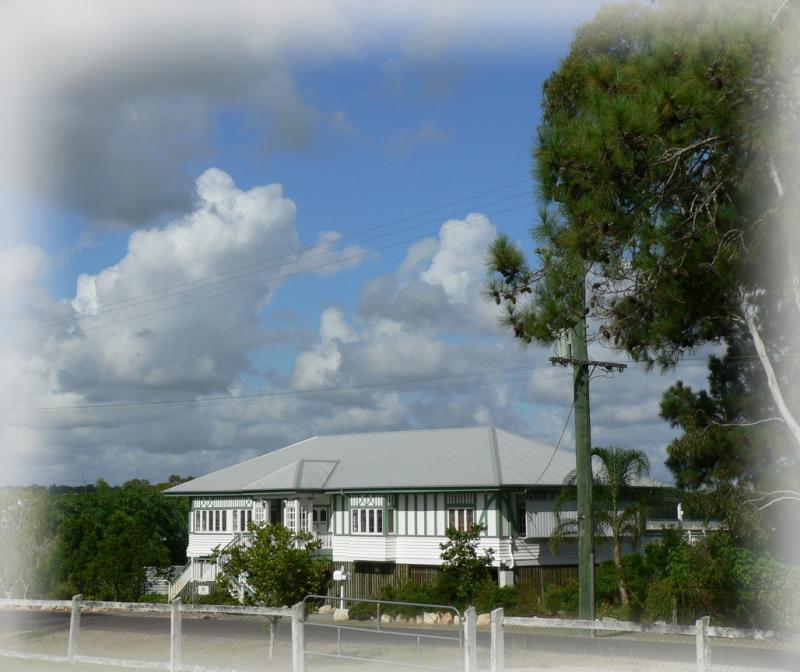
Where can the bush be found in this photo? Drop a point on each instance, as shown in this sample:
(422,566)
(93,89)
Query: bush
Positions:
(217,596)
(561,600)
(490,596)
(411,591)
(362,611)
(154,598)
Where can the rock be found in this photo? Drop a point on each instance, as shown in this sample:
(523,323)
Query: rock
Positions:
(341,614)
(456,620)
(400,619)
(446,618)
(325,609)
(483,620)
(418,619)
(430,618)
(385,618)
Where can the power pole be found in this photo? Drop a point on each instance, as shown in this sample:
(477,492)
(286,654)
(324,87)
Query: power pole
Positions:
(579,359)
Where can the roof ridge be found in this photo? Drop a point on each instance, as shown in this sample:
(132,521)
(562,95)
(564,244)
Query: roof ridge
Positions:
(404,431)
(496,466)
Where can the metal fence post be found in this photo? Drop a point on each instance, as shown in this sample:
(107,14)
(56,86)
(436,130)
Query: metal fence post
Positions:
(497,650)
(702,645)
(74,626)
(175,635)
(298,638)
(470,643)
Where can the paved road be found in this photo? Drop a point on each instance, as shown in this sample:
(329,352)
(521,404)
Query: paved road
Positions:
(520,645)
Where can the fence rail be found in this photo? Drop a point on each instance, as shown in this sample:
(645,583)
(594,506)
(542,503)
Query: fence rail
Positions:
(175,609)
(701,631)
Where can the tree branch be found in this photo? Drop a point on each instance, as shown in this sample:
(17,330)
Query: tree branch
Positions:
(772,380)
(777,496)
(744,424)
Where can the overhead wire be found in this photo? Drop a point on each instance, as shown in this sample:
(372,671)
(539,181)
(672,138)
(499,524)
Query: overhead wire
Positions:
(558,443)
(291,257)
(268,280)
(510,374)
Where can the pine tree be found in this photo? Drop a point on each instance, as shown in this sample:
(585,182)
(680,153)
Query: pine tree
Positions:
(660,179)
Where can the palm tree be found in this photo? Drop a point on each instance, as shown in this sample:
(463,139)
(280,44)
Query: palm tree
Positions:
(616,516)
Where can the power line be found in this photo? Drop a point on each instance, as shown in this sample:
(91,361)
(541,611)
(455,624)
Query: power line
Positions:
(266,281)
(164,292)
(454,380)
(560,438)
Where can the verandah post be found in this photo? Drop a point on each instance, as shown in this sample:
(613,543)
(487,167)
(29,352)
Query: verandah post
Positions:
(497,650)
(175,628)
(74,626)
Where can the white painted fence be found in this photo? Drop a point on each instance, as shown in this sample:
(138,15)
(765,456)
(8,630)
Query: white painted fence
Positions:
(701,631)
(77,606)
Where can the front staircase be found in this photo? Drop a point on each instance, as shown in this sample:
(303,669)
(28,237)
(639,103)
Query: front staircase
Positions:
(199,571)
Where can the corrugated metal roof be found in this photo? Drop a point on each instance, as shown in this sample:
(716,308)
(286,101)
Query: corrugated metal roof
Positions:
(472,457)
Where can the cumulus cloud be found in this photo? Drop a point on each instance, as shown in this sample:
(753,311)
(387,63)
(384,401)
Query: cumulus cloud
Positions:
(407,357)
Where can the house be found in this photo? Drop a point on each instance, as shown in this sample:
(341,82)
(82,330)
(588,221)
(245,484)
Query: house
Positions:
(381,502)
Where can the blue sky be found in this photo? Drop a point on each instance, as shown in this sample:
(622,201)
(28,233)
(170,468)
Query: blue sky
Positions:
(142,163)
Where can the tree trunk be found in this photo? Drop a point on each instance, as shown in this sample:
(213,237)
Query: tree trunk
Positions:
(794,276)
(623,588)
(772,380)
(273,632)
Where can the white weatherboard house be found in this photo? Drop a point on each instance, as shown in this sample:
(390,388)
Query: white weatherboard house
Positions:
(381,502)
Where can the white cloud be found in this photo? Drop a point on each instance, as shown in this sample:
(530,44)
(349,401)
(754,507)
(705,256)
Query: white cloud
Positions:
(19,267)
(458,266)
(319,367)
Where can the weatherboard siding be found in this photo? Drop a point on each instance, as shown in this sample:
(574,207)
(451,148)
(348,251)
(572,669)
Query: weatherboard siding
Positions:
(202,544)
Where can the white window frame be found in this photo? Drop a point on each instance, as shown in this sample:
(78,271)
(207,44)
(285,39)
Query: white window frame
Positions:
(367,520)
(460,518)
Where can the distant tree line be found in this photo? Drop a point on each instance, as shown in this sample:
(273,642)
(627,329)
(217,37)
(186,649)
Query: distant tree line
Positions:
(96,540)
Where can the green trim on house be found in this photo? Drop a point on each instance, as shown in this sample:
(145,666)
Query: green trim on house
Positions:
(488,499)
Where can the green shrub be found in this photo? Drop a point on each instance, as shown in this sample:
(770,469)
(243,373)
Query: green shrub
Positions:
(362,611)
(153,598)
(217,596)
(490,596)
(411,591)
(561,600)
(526,602)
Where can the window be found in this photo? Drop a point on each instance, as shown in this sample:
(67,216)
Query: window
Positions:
(522,518)
(196,521)
(460,519)
(204,526)
(367,521)
(244,518)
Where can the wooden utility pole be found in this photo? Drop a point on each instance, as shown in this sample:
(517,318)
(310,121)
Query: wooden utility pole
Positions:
(579,359)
